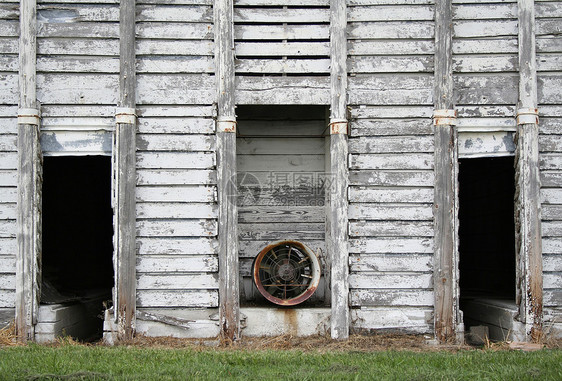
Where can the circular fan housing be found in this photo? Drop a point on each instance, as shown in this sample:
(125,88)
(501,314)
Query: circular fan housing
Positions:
(286,272)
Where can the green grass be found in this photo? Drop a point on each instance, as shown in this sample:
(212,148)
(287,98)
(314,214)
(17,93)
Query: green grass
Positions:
(68,362)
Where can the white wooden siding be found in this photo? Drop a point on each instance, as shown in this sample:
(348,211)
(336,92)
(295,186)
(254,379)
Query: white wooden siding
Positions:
(485,64)
(549,56)
(285,38)
(390,59)
(177,263)
(9,19)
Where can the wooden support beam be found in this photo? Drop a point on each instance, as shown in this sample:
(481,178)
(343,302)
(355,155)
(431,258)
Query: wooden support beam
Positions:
(528,211)
(229,278)
(125,177)
(445,191)
(336,241)
(28,258)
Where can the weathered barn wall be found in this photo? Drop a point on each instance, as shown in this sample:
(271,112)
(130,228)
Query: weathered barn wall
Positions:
(390,48)
(176,198)
(9,19)
(549,63)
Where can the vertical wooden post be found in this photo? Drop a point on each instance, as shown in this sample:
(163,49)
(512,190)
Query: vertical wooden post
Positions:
(445,191)
(125,176)
(528,211)
(337,241)
(229,278)
(29,179)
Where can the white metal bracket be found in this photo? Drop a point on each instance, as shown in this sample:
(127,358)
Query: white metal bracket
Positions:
(527,116)
(338,126)
(29,116)
(125,115)
(446,117)
(226,125)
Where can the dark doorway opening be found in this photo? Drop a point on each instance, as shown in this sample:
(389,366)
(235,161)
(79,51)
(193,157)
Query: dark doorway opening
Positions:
(77,246)
(487,243)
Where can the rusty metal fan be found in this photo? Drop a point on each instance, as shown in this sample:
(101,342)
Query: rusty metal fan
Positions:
(286,272)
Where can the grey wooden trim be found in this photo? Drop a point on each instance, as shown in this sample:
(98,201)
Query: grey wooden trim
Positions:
(125,179)
(336,242)
(528,211)
(445,191)
(229,278)
(28,274)
(338,239)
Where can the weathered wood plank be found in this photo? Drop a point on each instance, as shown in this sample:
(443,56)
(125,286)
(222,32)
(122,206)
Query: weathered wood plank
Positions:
(485,11)
(176,246)
(390,212)
(292,49)
(174,125)
(8,265)
(482,90)
(183,298)
(78,30)
(284,66)
(488,46)
(390,47)
(281,214)
(173,177)
(278,145)
(176,13)
(484,64)
(175,142)
(191,89)
(176,64)
(390,13)
(484,28)
(391,30)
(280,163)
(177,264)
(177,282)
(250,249)
(8,246)
(393,281)
(281,32)
(177,228)
(548,89)
(382,127)
(479,144)
(551,196)
(78,46)
(387,262)
(7,299)
(552,280)
(390,229)
(391,178)
(169,193)
(552,262)
(377,64)
(280,15)
(172,210)
(391,144)
(377,298)
(62,88)
(413,320)
(390,195)
(176,160)
(179,31)
(8,228)
(370,112)
(391,245)
(184,112)
(174,47)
